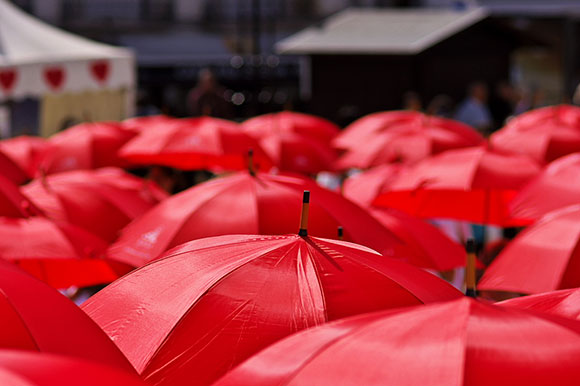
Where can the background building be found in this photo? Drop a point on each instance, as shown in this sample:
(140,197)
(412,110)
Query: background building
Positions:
(536,43)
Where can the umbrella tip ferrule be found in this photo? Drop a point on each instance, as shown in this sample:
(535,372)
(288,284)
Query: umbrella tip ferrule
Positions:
(304,215)
(470,269)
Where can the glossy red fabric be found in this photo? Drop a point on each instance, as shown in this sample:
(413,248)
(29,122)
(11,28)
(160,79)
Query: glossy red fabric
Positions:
(37,317)
(557,186)
(18,368)
(243,204)
(430,248)
(409,143)
(462,342)
(13,203)
(26,151)
(139,124)
(401,136)
(101,201)
(543,257)
(357,133)
(86,146)
(212,303)
(59,254)
(473,184)
(10,170)
(310,126)
(196,143)
(544,134)
(297,153)
(363,188)
(564,303)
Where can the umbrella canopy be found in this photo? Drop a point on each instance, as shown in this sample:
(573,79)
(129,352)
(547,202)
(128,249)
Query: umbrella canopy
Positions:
(567,115)
(86,146)
(473,184)
(310,126)
(101,201)
(401,135)
(410,142)
(565,303)
(243,203)
(196,143)
(357,133)
(292,152)
(18,368)
(26,151)
(212,303)
(59,254)
(543,134)
(38,318)
(544,257)
(557,186)
(13,203)
(139,124)
(462,342)
(10,170)
(364,187)
(430,248)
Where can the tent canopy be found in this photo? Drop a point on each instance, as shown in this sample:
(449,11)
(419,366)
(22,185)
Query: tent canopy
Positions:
(25,39)
(37,59)
(381,31)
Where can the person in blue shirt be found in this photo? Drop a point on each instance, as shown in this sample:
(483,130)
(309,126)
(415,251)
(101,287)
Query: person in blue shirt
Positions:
(474,111)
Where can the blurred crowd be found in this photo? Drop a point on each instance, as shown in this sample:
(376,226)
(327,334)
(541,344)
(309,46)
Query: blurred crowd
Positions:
(483,108)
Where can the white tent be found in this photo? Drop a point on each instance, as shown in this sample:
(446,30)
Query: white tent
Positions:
(62,71)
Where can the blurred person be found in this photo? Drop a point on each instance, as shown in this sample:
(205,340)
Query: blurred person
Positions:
(412,101)
(441,106)
(502,104)
(530,100)
(473,110)
(576,96)
(207,97)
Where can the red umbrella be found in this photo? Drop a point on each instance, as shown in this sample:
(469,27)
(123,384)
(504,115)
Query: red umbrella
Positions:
(246,204)
(543,134)
(101,201)
(564,303)
(430,248)
(10,170)
(543,143)
(557,186)
(306,125)
(38,318)
(395,135)
(212,303)
(357,133)
(86,146)
(544,257)
(26,151)
(473,184)
(13,203)
(364,187)
(196,143)
(462,342)
(410,142)
(59,254)
(566,115)
(297,153)
(18,368)
(139,124)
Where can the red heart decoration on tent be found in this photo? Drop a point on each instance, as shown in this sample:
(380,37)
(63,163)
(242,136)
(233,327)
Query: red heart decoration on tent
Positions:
(54,76)
(8,79)
(100,70)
